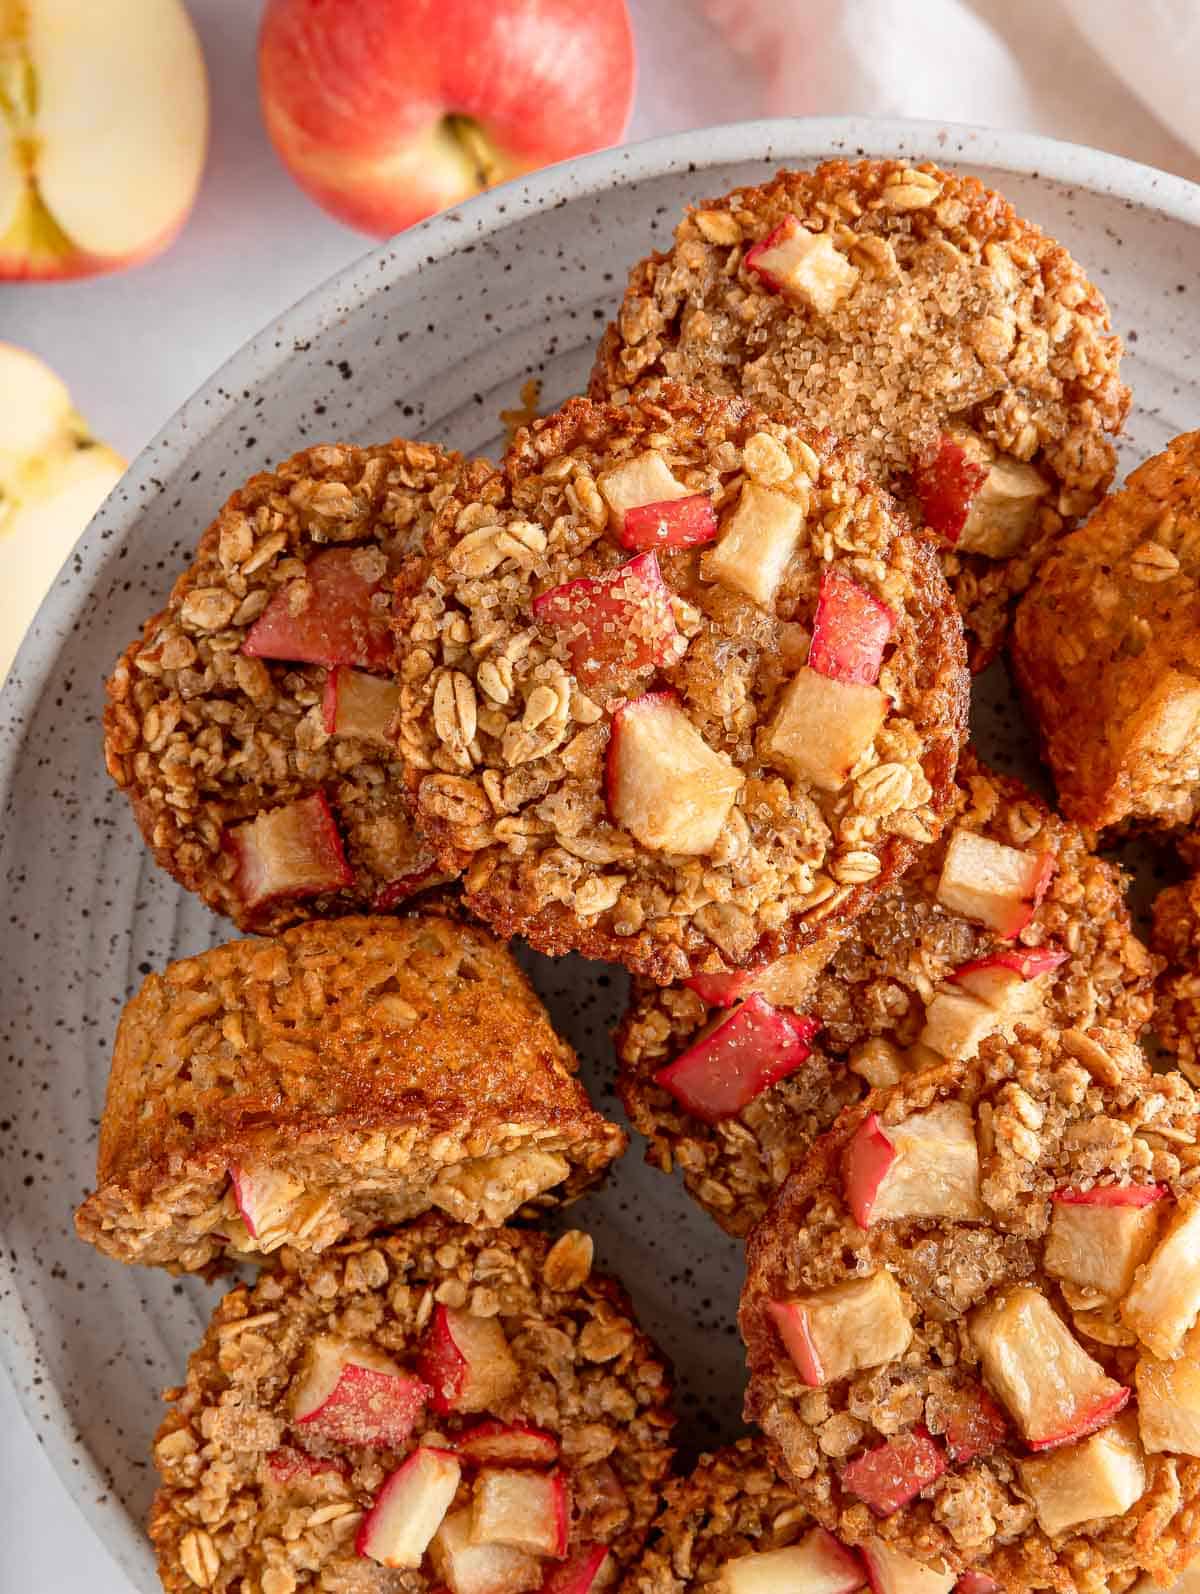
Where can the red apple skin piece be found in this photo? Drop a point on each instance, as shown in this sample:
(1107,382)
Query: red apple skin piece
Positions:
(791,1322)
(339,625)
(720,990)
(894,1473)
(1113,1195)
(1087,1424)
(329,871)
(368,1408)
(787,228)
(441,1364)
(851,628)
(357,96)
(578,1572)
(625,614)
(1028,964)
(868,1157)
(975,1426)
(748,1052)
(287,1464)
(495,1443)
(945,483)
(977,1583)
(407,885)
(674,523)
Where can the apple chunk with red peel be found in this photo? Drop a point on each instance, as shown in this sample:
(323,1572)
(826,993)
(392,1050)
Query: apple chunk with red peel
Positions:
(894,1473)
(993,884)
(510,1444)
(264,1196)
(977,1583)
(837,1331)
(785,982)
(748,1052)
(757,544)
(645,479)
(822,727)
(1102,1477)
(1004,509)
(1099,1238)
(356,1396)
(622,620)
(466,1362)
(409,1509)
(926,1166)
(665,784)
(946,481)
(1042,1376)
(578,1572)
(358,704)
(1168,1399)
(290,852)
(815,1564)
(469,1568)
(890,1571)
(524,1510)
(851,628)
(1164,1300)
(989,996)
(329,614)
(805,267)
(674,523)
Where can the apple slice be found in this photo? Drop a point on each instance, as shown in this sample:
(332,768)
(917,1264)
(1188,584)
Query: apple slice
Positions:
(508,1444)
(469,1568)
(926,1166)
(1168,1399)
(1100,1237)
(354,1396)
(895,1472)
(674,523)
(836,1331)
(890,1571)
(619,621)
(665,785)
(290,852)
(525,1510)
(264,1196)
(466,1362)
(578,1573)
(1050,1386)
(1102,1477)
(328,615)
(815,1564)
(759,540)
(285,1465)
(994,884)
(823,727)
(946,481)
(409,1509)
(975,1425)
(644,479)
(752,1049)
(806,267)
(851,628)
(358,704)
(1164,1300)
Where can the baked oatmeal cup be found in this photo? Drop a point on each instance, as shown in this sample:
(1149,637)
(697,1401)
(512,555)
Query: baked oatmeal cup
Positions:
(430,1408)
(1106,650)
(345,1075)
(971,1318)
(659,670)
(912,312)
(1009,919)
(249,725)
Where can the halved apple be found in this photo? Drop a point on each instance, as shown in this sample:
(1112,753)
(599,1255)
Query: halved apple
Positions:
(836,1331)
(752,1049)
(665,784)
(815,1564)
(1102,1477)
(757,544)
(926,1166)
(823,727)
(409,1509)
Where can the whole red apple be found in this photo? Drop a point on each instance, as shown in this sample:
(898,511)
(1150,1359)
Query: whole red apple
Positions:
(388,110)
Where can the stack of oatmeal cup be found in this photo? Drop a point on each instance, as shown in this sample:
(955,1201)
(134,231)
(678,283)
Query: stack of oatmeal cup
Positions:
(682,684)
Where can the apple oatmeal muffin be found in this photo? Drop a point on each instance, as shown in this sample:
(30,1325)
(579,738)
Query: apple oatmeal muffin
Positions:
(434,1408)
(1010,919)
(911,311)
(344,1075)
(971,1317)
(1106,649)
(677,685)
(250,723)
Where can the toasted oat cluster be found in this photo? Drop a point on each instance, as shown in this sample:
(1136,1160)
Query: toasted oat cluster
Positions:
(345,1075)
(972,1318)
(432,1408)
(250,724)
(916,315)
(1010,921)
(678,685)
(1106,649)
(1176,937)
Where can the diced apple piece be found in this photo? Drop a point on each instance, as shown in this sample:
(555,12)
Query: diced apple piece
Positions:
(285,1465)
(895,1472)
(327,616)
(409,1509)
(977,1583)
(758,542)
(355,1396)
(1168,1399)
(975,1425)
(1099,1238)
(851,628)
(989,996)
(1166,724)
(289,852)
(836,1331)
(358,704)
(815,1564)
(644,479)
(525,1510)
(806,267)
(993,884)
(469,1568)
(578,1572)
(1103,1477)
(622,620)
(748,1052)
(785,982)
(404,886)
(1164,1300)
(719,989)
(665,785)
(1026,964)
(466,1361)
(1003,510)
(926,1166)
(890,1571)
(957,1024)
(1047,1382)
(264,1196)
(946,481)
(674,523)
(508,1444)
(822,727)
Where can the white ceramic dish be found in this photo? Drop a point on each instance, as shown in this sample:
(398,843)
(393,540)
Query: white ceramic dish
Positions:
(431,335)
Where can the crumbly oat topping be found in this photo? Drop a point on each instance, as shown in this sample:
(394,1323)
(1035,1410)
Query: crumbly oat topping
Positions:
(922,305)
(203,737)
(508,716)
(1176,937)
(1107,650)
(250,1501)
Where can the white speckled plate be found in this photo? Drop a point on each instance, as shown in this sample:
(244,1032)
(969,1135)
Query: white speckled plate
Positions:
(431,335)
